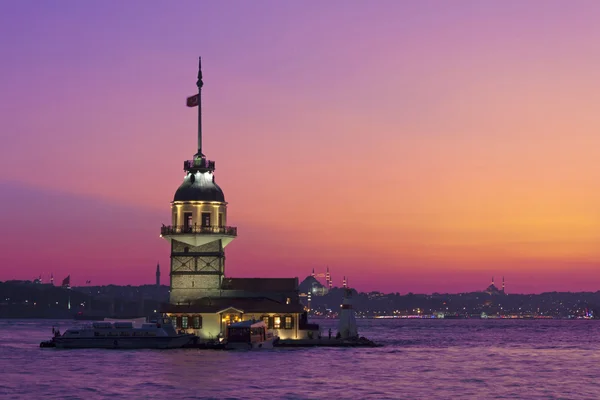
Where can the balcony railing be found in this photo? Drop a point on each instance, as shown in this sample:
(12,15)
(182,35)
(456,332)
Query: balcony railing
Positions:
(198,229)
(199,163)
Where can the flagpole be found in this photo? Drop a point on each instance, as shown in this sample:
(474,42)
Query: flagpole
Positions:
(199,84)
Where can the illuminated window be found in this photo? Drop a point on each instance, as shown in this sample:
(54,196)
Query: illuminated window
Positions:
(288,300)
(197,322)
(184,322)
(276,322)
(232,318)
(288,322)
(267,320)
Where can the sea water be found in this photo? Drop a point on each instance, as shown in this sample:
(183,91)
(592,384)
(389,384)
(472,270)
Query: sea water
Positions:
(420,359)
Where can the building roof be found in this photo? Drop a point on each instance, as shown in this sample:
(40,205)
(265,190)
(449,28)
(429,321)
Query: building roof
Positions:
(261,284)
(308,283)
(247,305)
(199,186)
(492,289)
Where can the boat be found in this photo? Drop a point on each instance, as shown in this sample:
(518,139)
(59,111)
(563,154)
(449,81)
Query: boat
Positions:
(121,335)
(249,335)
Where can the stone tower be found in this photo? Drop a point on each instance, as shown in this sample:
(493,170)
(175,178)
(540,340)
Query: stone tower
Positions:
(198,232)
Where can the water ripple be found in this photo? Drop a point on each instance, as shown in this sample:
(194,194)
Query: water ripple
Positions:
(467,359)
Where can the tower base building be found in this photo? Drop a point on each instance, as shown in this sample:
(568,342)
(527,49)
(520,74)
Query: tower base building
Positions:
(203,300)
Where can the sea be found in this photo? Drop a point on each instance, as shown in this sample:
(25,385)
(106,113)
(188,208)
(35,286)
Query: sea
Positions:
(419,359)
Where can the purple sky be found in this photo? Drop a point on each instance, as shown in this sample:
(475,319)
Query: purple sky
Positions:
(412,146)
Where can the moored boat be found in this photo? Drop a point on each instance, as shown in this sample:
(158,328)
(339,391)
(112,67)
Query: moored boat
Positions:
(249,335)
(122,335)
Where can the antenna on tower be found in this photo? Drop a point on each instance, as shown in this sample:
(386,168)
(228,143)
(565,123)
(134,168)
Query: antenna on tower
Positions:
(199,83)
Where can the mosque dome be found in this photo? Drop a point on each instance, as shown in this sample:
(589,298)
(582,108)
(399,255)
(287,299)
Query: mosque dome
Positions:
(199,186)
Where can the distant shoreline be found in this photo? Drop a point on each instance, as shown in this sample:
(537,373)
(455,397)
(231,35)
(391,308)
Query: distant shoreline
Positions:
(335,319)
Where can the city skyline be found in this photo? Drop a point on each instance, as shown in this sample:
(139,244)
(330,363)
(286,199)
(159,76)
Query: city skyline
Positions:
(412,147)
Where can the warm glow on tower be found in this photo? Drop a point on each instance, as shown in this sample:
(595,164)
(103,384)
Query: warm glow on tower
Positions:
(198,232)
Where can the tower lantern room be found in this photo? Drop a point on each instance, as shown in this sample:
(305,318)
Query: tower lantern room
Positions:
(198,232)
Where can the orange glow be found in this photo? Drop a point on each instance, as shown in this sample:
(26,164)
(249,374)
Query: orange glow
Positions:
(462,143)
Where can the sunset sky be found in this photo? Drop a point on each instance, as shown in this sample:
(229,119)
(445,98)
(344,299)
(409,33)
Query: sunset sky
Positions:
(420,146)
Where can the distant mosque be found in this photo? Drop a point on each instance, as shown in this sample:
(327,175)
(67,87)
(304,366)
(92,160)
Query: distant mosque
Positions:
(493,290)
(203,299)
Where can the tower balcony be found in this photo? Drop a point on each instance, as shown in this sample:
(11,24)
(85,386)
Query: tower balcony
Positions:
(198,230)
(198,235)
(199,164)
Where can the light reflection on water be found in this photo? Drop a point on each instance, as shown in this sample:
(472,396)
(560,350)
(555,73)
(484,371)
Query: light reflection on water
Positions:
(421,359)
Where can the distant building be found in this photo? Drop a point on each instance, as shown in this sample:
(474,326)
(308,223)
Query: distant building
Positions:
(203,300)
(493,290)
(311,285)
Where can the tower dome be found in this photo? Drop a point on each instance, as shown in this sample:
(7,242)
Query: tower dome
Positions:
(199,186)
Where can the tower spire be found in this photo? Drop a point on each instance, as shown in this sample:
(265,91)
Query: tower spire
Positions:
(199,83)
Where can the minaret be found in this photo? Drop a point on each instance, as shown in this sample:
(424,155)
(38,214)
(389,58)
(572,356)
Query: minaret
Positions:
(52,278)
(198,233)
(327,278)
(503,286)
(344,283)
(330,283)
(157,275)
(492,280)
(313,273)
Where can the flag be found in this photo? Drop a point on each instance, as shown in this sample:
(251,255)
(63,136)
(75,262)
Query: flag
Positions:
(67,281)
(192,101)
